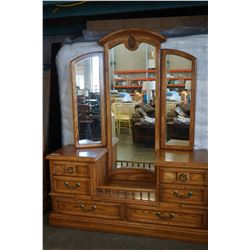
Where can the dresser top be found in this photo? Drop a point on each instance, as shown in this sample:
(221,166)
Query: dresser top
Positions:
(163,157)
(70,152)
(190,157)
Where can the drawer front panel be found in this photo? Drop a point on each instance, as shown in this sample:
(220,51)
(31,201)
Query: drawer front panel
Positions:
(175,217)
(72,185)
(71,169)
(87,208)
(194,177)
(183,194)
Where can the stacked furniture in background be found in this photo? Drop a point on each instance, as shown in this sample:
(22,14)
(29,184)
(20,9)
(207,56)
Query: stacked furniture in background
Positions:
(143,130)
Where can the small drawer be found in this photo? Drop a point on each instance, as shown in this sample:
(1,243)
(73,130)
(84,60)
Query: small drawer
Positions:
(70,169)
(182,176)
(168,216)
(183,194)
(71,185)
(102,210)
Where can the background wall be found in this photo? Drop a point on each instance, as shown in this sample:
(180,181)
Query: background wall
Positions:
(155,24)
(48,41)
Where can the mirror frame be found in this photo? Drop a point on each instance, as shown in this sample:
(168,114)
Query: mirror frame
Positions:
(102,101)
(131,38)
(164,53)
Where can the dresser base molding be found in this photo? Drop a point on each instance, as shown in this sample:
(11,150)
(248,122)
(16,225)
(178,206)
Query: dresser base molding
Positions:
(125,227)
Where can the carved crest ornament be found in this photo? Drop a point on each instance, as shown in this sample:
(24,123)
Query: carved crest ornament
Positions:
(131,43)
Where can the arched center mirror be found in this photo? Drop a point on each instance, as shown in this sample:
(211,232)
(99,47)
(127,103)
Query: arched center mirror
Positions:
(132,71)
(132,102)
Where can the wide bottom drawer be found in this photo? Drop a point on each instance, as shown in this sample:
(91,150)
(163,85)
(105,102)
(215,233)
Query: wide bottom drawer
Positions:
(89,208)
(168,216)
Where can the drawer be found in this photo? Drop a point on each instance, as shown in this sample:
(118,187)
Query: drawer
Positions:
(71,185)
(182,176)
(70,169)
(102,210)
(168,216)
(183,194)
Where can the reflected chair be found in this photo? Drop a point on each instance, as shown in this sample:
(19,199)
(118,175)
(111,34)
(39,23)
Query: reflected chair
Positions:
(80,99)
(123,113)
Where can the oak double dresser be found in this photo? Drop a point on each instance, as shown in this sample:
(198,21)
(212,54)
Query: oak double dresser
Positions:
(96,184)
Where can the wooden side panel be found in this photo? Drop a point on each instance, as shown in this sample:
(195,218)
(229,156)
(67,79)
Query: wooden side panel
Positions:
(101,171)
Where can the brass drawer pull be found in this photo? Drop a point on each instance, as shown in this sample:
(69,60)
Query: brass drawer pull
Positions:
(183,177)
(189,194)
(165,216)
(88,209)
(66,184)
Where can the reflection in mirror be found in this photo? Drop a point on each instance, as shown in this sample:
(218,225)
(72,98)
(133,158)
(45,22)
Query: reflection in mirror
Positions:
(132,85)
(178,100)
(87,79)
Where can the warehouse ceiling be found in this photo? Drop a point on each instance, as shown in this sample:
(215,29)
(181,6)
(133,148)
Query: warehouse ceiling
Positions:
(67,17)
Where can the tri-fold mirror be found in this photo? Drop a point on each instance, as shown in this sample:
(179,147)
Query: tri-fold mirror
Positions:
(146,101)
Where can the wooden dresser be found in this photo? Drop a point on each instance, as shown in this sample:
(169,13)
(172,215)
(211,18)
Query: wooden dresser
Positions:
(99,183)
(174,206)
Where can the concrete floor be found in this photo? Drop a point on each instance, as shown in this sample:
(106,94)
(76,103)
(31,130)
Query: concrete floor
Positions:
(127,150)
(73,239)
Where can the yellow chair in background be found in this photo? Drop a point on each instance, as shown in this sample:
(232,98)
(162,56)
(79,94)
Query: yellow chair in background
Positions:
(123,113)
